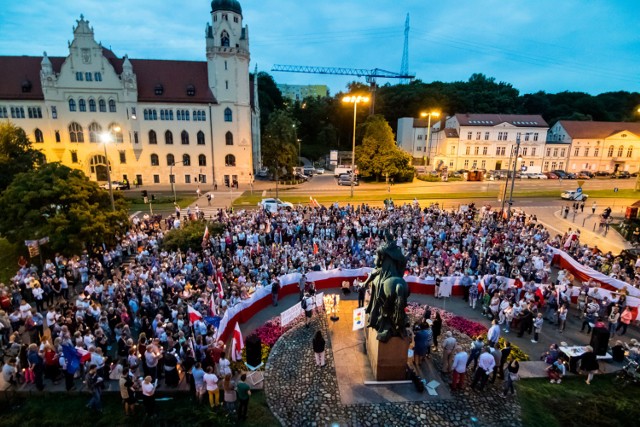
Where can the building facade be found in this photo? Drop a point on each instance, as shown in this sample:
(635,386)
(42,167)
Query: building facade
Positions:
(159,121)
(300,92)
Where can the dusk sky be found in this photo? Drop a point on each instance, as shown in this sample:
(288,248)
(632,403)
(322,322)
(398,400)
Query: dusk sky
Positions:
(576,45)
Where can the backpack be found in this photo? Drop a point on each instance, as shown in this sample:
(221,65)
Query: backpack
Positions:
(303,303)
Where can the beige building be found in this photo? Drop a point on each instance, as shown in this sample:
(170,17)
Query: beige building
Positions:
(594,146)
(300,92)
(194,119)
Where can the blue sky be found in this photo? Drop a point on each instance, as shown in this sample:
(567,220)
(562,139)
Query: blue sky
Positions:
(552,45)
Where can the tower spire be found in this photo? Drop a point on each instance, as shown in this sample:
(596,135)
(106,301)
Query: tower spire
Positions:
(404,67)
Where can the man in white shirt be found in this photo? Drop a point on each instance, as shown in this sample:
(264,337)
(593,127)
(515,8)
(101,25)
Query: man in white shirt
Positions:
(459,368)
(486,363)
(448,346)
(494,333)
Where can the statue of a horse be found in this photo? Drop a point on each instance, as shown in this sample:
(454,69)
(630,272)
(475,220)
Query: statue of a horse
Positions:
(389,292)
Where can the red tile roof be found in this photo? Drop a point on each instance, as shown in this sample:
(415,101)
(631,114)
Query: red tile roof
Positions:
(519,120)
(174,76)
(594,130)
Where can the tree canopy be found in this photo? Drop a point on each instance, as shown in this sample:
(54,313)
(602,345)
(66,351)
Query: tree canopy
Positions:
(60,203)
(279,147)
(16,153)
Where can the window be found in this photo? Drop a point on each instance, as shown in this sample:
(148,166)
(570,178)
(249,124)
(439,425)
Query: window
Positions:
(135,137)
(485,150)
(74,157)
(158,90)
(548,152)
(486,136)
(98,76)
(555,152)
(184,137)
(79,76)
(526,136)
(94,132)
(171,161)
(562,152)
(133,113)
(102,106)
(72,105)
(168,138)
(452,150)
(235,19)
(483,164)
(82,105)
(75,133)
(531,163)
(186,160)
(154,160)
(40,138)
(505,136)
(469,135)
(123,157)
(200,138)
(478,135)
(182,115)
(476,151)
(535,136)
(620,151)
(533,151)
(546,166)
(596,151)
(17,112)
(524,151)
(116,132)
(229,160)
(112,106)
(156,179)
(153,138)
(224,38)
(576,152)
(554,166)
(500,151)
(166,114)
(466,164)
(419,137)
(467,151)
(34,112)
(419,148)
(202,160)
(187,179)
(610,152)
(228,137)
(474,165)
(151,114)
(88,77)
(3,113)
(630,152)
(92,105)
(57,134)
(198,116)
(561,165)
(191,90)
(586,151)
(172,179)
(228,115)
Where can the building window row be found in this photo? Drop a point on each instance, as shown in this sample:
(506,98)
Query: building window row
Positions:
(186,160)
(76,133)
(184,138)
(102,105)
(88,76)
(167,114)
(17,112)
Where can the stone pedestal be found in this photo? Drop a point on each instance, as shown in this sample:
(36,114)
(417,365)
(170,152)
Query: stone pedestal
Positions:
(388,360)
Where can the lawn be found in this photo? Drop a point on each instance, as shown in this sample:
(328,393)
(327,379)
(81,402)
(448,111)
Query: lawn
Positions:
(60,409)
(575,403)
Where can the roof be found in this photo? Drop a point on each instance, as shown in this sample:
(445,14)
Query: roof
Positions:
(174,76)
(226,5)
(450,132)
(597,130)
(518,120)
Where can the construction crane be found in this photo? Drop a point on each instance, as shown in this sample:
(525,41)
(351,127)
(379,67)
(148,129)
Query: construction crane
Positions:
(369,75)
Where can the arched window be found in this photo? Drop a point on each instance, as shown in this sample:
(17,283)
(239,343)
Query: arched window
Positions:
(72,105)
(82,105)
(102,106)
(116,132)
(620,151)
(168,138)
(184,137)
(154,160)
(99,166)
(94,132)
(610,152)
(75,133)
(112,106)
(228,115)
(202,160)
(40,138)
(228,137)
(229,160)
(170,160)
(92,105)
(153,138)
(224,39)
(630,152)
(186,160)
(200,138)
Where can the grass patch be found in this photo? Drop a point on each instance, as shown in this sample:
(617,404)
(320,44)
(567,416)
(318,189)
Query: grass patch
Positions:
(161,203)
(9,254)
(575,403)
(181,410)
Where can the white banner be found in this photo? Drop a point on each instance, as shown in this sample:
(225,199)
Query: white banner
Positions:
(287,316)
(358,318)
(320,299)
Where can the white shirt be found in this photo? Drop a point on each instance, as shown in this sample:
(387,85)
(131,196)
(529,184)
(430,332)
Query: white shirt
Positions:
(211,381)
(460,362)
(148,389)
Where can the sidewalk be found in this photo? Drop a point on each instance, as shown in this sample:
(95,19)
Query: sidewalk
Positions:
(590,232)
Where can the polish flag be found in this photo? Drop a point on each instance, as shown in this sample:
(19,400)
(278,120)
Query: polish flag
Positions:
(481,287)
(205,238)
(238,344)
(220,290)
(193,315)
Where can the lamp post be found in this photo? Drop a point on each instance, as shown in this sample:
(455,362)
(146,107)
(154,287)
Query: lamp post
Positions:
(299,158)
(106,137)
(355,100)
(173,179)
(517,159)
(429,115)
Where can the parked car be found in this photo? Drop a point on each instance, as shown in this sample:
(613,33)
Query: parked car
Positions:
(561,174)
(571,175)
(309,170)
(538,175)
(551,175)
(273,204)
(602,173)
(621,175)
(301,176)
(319,171)
(345,179)
(116,185)
(578,196)
(586,173)
(583,175)
(263,173)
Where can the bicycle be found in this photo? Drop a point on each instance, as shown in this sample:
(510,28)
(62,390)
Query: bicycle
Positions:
(629,374)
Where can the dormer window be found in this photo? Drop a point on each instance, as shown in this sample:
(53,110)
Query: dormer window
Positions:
(191,90)
(159,89)
(26,86)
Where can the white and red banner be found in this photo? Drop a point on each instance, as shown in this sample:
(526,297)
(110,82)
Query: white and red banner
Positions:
(238,344)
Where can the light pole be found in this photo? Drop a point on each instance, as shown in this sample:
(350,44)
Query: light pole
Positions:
(299,158)
(355,100)
(429,115)
(106,137)
(173,179)
(516,159)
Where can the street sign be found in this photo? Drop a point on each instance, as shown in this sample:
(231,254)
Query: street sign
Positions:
(579,190)
(580,182)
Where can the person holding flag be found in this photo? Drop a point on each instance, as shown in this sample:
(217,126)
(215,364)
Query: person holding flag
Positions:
(238,344)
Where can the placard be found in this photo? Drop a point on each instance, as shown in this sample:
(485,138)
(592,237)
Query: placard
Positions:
(290,314)
(358,318)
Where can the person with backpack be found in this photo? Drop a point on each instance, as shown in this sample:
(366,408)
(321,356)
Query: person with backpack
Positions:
(307,306)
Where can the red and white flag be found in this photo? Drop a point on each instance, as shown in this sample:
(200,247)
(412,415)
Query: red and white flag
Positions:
(220,290)
(238,344)
(193,315)
(205,238)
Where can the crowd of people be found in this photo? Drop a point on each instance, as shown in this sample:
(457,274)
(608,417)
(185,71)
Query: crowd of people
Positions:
(123,313)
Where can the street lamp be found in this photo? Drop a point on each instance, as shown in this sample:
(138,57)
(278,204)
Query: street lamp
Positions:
(106,138)
(429,115)
(355,100)
(173,179)
(517,159)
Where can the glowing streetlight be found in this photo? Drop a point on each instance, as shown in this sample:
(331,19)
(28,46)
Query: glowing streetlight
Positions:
(429,115)
(106,138)
(355,100)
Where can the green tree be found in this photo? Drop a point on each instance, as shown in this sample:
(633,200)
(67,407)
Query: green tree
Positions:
(16,153)
(378,156)
(61,203)
(279,146)
(190,236)
(269,97)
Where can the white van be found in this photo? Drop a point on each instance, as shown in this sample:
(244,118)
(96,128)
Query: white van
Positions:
(339,170)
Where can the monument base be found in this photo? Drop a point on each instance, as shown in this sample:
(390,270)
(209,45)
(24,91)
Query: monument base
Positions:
(388,359)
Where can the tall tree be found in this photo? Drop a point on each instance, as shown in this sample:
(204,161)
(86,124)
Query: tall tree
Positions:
(62,204)
(16,153)
(279,146)
(269,97)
